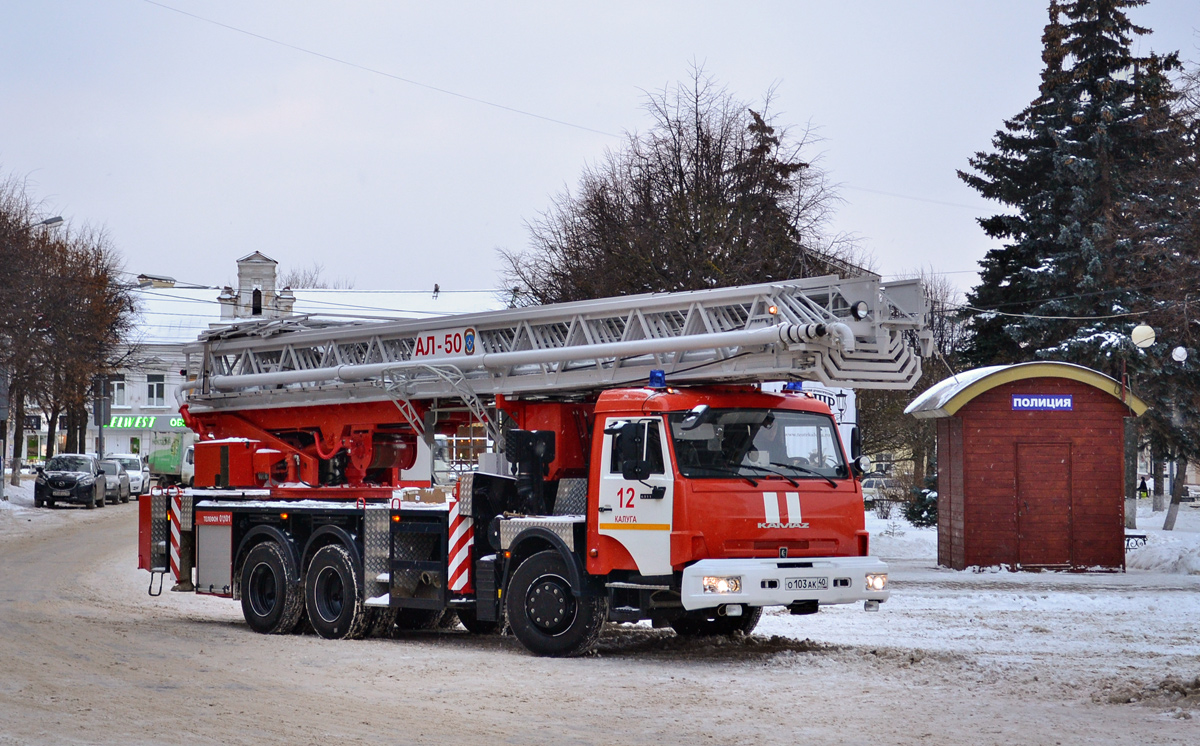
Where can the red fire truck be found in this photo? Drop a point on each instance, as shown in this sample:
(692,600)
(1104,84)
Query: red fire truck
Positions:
(641,467)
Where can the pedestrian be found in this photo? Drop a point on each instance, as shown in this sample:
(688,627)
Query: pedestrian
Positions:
(1143,491)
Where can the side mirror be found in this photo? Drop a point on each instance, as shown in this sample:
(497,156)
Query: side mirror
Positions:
(855,443)
(694,417)
(635,470)
(860,465)
(38,469)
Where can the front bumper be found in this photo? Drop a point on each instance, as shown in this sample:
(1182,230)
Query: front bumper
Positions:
(75,494)
(764,581)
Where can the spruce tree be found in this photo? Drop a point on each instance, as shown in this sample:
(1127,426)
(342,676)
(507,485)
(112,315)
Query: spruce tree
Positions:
(1099,174)
(1075,167)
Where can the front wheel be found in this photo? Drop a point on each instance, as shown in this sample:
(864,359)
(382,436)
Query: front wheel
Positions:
(332,595)
(699,624)
(272,601)
(544,613)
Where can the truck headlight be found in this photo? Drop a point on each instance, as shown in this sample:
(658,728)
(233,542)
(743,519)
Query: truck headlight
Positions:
(731,584)
(876,581)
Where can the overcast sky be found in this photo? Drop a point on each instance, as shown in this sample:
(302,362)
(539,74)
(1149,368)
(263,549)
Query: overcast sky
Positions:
(194,142)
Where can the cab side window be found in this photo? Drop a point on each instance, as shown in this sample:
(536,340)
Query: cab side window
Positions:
(650,446)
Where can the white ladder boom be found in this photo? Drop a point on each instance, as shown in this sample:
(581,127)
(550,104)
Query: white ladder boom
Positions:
(858,333)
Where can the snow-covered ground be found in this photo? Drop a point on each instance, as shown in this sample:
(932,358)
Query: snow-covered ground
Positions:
(1128,639)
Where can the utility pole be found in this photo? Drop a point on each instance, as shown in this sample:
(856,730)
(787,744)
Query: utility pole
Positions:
(3,426)
(100,410)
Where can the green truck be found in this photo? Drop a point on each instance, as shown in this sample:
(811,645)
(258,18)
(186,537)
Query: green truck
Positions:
(171,459)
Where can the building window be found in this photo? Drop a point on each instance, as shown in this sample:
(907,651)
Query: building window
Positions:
(256,303)
(118,394)
(156,391)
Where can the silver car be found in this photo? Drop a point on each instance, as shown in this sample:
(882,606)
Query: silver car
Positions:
(116,481)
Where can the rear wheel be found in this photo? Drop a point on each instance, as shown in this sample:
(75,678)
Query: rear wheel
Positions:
(544,613)
(698,624)
(332,594)
(418,619)
(272,602)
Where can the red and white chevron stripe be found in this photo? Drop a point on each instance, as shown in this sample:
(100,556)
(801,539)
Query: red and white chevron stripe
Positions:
(175,507)
(462,537)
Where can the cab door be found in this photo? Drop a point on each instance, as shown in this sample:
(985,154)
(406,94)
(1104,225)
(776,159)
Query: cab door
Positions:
(636,509)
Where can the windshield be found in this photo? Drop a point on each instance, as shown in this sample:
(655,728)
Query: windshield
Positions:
(112,467)
(69,463)
(756,443)
(131,464)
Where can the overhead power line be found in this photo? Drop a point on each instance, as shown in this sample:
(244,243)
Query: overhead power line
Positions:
(382,73)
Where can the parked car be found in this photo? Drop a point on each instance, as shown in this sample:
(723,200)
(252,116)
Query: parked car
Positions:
(116,480)
(874,487)
(139,471)
(69,478)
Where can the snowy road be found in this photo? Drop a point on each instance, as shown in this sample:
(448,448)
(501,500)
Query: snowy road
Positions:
(86,657)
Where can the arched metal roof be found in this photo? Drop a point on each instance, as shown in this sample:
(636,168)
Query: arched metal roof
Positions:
(952,394)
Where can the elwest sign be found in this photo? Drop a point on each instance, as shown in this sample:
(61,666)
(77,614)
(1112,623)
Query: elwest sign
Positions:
(140,422)
(1043,402)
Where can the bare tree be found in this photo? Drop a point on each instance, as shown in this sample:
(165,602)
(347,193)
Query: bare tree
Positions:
(63,312)
(312,277)
(714,194)
(84,331)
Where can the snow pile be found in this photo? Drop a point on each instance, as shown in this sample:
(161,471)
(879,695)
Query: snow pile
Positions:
(1176,552)
(896,538)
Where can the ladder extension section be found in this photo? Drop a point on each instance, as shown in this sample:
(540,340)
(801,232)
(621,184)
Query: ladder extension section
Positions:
(857,333)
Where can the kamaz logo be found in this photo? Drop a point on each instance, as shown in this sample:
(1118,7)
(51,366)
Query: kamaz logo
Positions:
(776,518)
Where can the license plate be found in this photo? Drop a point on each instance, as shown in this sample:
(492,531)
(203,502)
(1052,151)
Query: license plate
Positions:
(62,493)
(806,584)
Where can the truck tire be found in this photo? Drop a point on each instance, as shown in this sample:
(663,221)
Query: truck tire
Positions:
(467,618)
(699,624)
(333,595)
(545,615)
(380,622)
(272,601)
(419,619)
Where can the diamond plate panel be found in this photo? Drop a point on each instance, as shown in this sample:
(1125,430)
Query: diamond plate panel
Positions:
(466,485)
(412,547)
(510,528)
(186,503)
(158,531)
(376,524)
(571,498)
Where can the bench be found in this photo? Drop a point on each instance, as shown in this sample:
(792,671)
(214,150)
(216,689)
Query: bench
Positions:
(1135,540)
